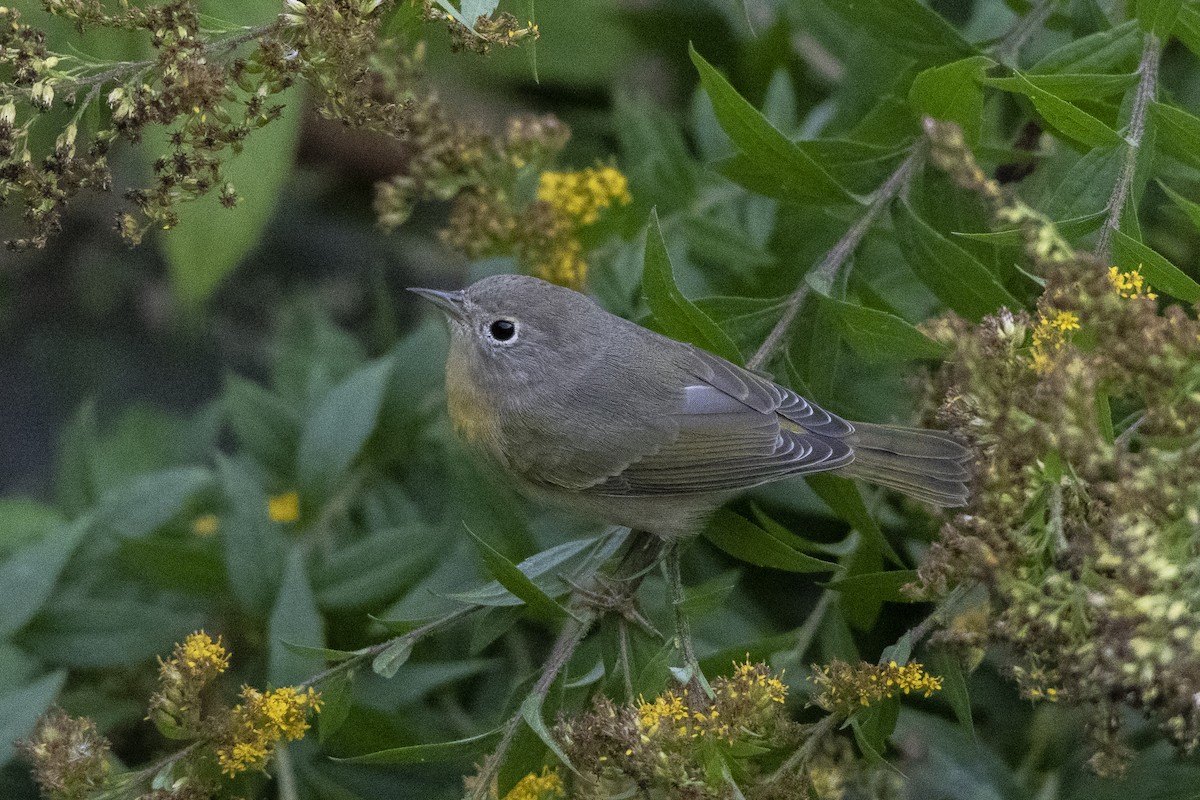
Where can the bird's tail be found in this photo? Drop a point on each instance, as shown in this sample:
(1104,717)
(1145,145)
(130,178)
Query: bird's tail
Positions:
(925,465)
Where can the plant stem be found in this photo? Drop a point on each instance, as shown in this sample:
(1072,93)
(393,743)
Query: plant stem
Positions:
(683,628)
(825,271)
(1014,39)
(798,759)
(1146,89)
(645,552)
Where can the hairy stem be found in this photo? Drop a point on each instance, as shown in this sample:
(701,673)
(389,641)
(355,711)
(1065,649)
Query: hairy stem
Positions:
(825,271)
(797,760)
(1146,89)
(1014,39)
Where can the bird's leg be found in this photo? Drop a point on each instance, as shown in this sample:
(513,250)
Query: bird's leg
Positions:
(683,630)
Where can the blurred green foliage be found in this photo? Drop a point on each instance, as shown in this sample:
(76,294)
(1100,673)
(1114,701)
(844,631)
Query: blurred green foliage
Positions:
(754,152)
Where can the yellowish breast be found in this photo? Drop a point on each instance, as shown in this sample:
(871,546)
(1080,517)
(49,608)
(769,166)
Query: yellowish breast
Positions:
(471,414)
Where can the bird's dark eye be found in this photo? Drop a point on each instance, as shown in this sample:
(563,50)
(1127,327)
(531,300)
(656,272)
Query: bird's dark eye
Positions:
(503,329)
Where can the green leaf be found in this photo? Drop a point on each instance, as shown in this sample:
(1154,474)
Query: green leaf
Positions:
(339,426)
(1101,52)
(1178,132)
(23,521)
(210,239)
(74,484)
(952,92)
(20,709)
(1085,189)
(457,750)
(742,539)
(1187,28)
(29,576)
(1104,416)
(1070,120)
(322,653)
(845,500)
(979,772)
(550,569)
(510,576)
(884,586)
(954,686)
(679,317)
(379,567)
(765,145)
(389,662)
(955,276)
(1069,229)
(531,712)
(254,546)
(878,335)
(1190,208)
(264,424)
(906,26)
(1158,16)
(1163,276)
(1070,86)
(337,696)
(104,633)
(146,503)
(294,618)
(183,563)
(872,726)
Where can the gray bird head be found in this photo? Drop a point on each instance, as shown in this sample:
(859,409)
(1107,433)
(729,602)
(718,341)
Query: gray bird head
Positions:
(515,328)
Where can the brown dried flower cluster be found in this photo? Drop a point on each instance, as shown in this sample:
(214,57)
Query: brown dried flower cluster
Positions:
(1083,535)
(210,92)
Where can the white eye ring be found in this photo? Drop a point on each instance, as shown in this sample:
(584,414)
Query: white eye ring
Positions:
(503,330)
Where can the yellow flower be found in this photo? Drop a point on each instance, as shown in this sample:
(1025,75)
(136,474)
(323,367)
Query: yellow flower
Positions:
(1049,336)
(547,786)
(260,722)
(584,194)
(1130,284)
(846,687)
(284,507)
(201,655)
(206,524)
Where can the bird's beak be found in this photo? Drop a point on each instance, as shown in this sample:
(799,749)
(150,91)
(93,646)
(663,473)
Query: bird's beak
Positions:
(450,302)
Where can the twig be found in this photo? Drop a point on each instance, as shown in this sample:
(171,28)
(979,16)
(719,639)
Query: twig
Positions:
(369,653)
(798,759)
(840,252)
(922,629)
(683,628)
(1146,89)
(1014,39)
(644,553)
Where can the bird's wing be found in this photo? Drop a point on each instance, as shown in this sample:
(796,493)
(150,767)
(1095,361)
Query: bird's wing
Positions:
(735,430)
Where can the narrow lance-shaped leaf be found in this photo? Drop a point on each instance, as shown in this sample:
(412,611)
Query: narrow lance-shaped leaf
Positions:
(741,538)
(764,144)
(457,750)
(907,26)
(294,618)
(340,425)
(955,276)
(30,575)
(516,581)
(1163,276)
(952,92)
(680,318)
(845,500)
(1178,132)
(1158,16)
(1190,208)
(1069,119)
(879,335)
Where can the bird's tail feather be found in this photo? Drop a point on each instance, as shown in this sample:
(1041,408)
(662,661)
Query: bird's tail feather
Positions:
(925,465)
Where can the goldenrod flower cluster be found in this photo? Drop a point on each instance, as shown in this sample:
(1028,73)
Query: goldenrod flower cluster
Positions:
(1085,477)
(260,722)
(1049,336)
(176,708)
(546,786)
(582,195)
(663,744)
(70,758)
(844,688)
(1130,284)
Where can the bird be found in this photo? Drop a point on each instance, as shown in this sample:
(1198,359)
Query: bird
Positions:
(586,410)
